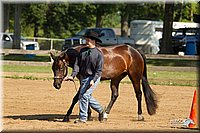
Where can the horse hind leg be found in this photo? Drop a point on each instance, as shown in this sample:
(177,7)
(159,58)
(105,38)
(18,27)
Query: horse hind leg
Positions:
(136,85)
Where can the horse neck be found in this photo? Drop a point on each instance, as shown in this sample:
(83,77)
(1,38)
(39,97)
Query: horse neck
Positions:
(72,53)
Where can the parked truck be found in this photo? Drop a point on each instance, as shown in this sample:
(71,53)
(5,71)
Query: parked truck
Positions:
(106,35)
(6,41)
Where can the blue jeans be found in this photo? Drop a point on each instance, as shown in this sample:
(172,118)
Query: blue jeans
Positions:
(85,98)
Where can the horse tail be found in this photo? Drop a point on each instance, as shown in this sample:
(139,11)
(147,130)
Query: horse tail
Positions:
(150,96)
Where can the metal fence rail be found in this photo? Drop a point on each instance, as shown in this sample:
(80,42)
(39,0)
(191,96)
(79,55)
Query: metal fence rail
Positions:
(48,43)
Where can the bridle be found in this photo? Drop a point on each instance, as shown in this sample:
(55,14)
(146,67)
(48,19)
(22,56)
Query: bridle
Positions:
(65,71)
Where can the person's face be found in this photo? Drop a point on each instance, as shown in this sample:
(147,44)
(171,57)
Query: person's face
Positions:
(90,42)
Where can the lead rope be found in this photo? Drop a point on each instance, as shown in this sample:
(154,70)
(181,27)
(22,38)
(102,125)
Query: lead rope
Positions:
(73,82)
(75,88)
(74,85)
(66,64)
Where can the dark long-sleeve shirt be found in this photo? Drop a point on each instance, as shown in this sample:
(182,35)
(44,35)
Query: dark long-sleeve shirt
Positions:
(89,63)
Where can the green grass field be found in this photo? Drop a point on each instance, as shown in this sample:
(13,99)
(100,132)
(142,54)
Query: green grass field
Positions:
(179,78)
(154,62)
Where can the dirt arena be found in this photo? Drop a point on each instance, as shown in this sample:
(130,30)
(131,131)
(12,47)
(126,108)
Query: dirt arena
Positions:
(34,105)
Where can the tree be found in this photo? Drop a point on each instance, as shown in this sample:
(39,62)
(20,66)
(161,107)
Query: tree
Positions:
(34,15)
(183,12)
(6,8)
(102,10)
(124,9)
(166,46)
(141,11)
(178,12)
(80,16)
(17,27)
(54,24)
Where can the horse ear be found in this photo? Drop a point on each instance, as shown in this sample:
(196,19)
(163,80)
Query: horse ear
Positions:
(52,56)
(65,58)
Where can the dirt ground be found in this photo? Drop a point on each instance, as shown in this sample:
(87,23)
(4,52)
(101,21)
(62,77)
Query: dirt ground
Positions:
(35,105)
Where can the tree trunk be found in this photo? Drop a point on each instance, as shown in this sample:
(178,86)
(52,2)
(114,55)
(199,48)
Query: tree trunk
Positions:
(124,21)
(99,16)
(124,25)
(36,29)
(6,9)
(17,29)
(191,12)
(46,28)
(99,20)
(166,46)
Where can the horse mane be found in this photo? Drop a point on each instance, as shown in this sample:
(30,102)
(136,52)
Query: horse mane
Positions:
(71,53)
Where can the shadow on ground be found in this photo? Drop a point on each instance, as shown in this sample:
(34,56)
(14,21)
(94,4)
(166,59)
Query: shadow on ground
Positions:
(45,117)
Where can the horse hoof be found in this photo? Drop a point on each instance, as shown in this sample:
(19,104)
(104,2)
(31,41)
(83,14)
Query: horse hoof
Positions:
(105,116)
(90,119)
(140,118)
(105,119)
(65,120)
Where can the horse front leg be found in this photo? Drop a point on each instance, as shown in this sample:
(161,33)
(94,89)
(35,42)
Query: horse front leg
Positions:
(74,101)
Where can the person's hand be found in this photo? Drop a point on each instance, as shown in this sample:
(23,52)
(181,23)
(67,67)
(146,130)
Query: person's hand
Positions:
(91,82)
(68,78)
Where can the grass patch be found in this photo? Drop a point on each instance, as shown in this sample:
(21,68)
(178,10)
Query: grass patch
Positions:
(29,69)
(173,62)
(166,82)
(172,78)
(169,78)
(19,57)
(176,83)
(153,62)
(27,77)
(172,75)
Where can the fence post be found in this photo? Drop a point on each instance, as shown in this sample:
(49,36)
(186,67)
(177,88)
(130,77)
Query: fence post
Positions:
(51,44)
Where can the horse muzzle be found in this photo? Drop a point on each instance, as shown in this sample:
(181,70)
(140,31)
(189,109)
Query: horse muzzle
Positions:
(57,85)
(57,82)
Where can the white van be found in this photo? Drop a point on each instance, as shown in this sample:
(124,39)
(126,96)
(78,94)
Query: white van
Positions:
(6,41)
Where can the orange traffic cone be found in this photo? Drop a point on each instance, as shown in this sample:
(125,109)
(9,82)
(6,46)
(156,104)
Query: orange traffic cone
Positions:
(193,112)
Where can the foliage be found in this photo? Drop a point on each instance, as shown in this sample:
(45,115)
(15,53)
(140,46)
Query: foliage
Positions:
(184,11)
(61,20)
(34,16)
(147,11)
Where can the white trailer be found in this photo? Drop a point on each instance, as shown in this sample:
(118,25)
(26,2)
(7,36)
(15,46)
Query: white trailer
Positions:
(146,34)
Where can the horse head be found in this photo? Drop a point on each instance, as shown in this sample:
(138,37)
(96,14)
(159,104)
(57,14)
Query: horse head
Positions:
(59,68)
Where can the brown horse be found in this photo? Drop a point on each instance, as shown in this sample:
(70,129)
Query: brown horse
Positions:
(119,61)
